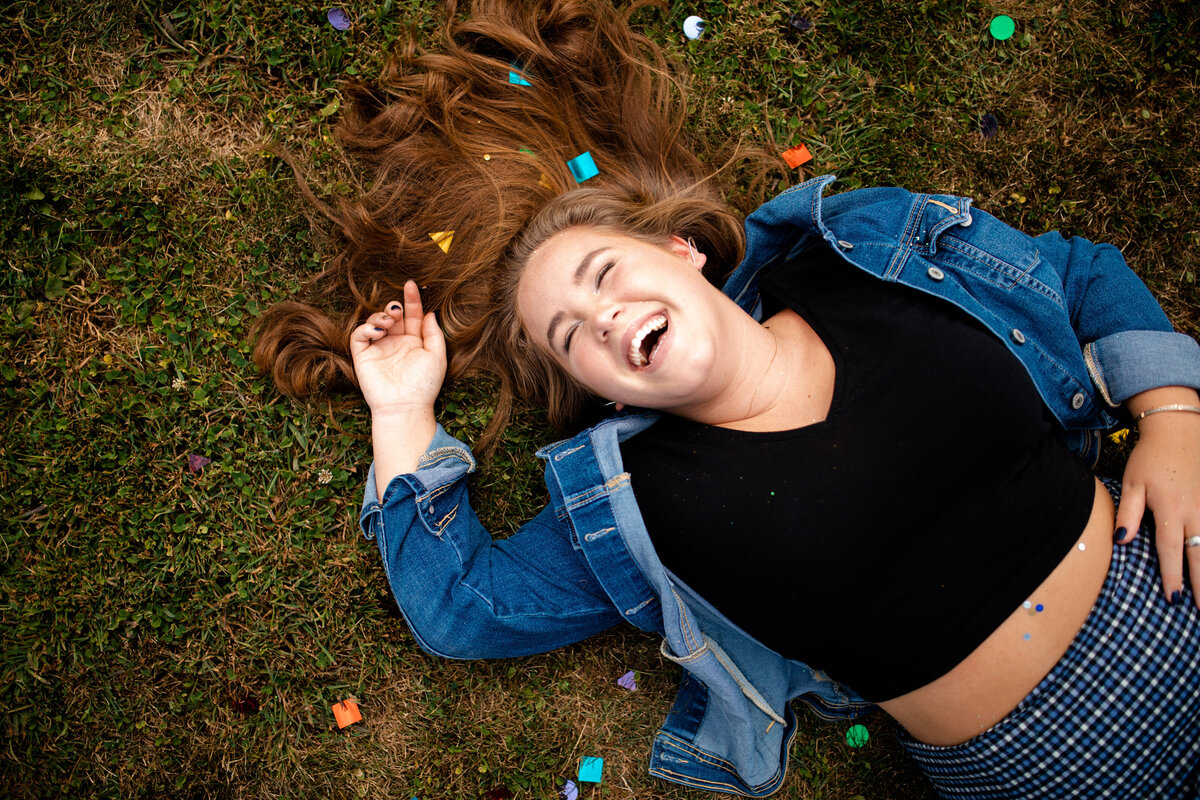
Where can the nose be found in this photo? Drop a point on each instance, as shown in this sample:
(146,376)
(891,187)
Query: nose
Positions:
(604,317)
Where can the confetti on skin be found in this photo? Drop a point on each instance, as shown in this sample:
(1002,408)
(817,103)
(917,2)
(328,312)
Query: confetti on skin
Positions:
(1040,608)
(583,167)
(1082,546)
(346,713)
(1027,604)
(989,125)
(568,791)
(443,239)
(1002,28)
(693,26)
(628,681)
(338,18)
(796,156)
(857,736)
(1027,637)
(590,769)
(197,463)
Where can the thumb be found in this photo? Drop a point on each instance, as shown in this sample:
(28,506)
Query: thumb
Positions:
(1129,513)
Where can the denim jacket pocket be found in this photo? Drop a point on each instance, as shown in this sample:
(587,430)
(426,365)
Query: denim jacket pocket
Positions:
(985,247)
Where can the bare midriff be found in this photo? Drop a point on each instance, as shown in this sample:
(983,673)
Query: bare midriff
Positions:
(993,680)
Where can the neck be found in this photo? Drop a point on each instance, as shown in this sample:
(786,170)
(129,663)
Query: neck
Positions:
(768,364)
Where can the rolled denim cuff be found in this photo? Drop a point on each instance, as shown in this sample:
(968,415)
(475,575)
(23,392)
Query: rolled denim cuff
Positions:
(1130,362)
(444,461)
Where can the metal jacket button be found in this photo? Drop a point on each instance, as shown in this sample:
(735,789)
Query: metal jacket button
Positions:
(1019,338)
(1077,401)
(966,223)
(935,273)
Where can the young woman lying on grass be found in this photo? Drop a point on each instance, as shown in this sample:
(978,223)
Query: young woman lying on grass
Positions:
(857,473)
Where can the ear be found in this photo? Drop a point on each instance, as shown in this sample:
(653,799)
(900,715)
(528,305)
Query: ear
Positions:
(691,255)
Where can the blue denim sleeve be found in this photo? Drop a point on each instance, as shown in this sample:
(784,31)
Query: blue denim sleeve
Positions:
(465,595)
(1128,342)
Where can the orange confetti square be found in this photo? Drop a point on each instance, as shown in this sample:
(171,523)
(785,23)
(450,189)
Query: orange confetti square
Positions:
(346,713)
(797,155)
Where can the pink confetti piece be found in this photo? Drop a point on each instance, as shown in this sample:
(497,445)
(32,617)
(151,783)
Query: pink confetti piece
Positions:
(338,18)
(197,463)
(628,681)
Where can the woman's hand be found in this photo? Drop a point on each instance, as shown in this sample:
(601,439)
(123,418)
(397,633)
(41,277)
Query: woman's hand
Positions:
(399,356)
(1163,475)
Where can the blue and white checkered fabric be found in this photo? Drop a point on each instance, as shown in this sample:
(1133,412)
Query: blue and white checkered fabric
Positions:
(1117,717)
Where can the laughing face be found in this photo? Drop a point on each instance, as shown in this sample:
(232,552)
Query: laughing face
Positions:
(634,322)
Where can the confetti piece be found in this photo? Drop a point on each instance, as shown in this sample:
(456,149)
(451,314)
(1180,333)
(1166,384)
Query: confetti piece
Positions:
(590,769)
(1082,546)
(568,791)
(1119,437)
(197,463)
(1040,608)
(1002,28)
(857,736)
(544,181)
(513,77)
(338,18)
(693,26)
(796,156)
(583,167)
(346,713)
(628,681)
(443,239)
(1027,604)
(524,150)
(989,125)
(799,24)
(1027,637)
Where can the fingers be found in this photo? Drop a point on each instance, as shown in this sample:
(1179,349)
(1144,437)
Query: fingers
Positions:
(1192,556)
(362,336)
(1130,511)
(434,342)
(413,313)
(1169,543)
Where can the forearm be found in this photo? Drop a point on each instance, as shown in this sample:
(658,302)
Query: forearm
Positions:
(1156,398)
(399,439)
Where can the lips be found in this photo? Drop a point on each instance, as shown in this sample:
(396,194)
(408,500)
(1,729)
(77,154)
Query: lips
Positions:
(640,342)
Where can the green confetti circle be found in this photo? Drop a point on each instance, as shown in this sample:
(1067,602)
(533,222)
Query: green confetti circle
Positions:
(1002,27)
(857,736)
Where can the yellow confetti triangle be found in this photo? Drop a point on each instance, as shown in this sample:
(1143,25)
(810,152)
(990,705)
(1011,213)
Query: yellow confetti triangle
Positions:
(443,239)
(1119,437)
(544,181)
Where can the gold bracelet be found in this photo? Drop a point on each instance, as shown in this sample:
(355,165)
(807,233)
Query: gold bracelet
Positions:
(1172,407)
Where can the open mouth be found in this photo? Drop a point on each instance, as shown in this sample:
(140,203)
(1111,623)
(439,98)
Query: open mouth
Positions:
(645,341)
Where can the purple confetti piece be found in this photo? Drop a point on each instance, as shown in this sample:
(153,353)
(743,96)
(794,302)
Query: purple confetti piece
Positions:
(197,463)
(989,126)
(799,24)
(628,681)
(338,18)
(568,791)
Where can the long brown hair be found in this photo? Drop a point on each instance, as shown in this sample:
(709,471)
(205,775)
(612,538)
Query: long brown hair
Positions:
(455,144)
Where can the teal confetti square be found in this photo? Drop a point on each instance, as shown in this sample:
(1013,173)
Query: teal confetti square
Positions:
(513,77)
(591,768)
(583,167)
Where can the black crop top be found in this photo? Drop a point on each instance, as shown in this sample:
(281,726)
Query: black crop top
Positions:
(885,543)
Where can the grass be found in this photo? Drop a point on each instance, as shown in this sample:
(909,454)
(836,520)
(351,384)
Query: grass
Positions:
(176,633)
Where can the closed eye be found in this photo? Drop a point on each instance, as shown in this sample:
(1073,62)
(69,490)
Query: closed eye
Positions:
(603,271)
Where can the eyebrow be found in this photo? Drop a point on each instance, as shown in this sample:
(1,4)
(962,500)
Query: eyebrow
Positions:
(576,279)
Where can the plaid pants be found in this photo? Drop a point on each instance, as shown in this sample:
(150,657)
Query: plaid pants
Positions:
(1117,717)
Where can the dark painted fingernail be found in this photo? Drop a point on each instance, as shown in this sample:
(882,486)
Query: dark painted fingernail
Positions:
(376,327)
(1119,534)
(395,307)
(1176,597)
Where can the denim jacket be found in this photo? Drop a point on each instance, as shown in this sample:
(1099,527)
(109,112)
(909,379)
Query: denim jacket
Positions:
(1087,330)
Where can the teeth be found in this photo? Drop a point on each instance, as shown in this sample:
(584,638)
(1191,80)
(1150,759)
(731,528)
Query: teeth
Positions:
(635,347)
